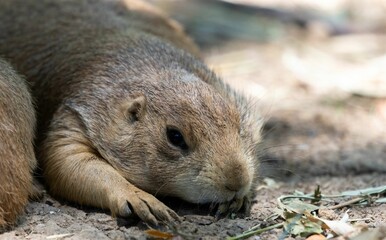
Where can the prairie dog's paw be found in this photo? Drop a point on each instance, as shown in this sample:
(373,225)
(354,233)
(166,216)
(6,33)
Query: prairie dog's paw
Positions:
(146,207)
(237,205)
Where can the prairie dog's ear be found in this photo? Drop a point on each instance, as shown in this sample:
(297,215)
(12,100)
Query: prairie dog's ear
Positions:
(134,109)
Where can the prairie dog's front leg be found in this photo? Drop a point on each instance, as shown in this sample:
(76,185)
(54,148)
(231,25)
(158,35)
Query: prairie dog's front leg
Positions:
(75,172)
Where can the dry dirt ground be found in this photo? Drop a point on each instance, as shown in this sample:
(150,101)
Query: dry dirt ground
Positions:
(314,135)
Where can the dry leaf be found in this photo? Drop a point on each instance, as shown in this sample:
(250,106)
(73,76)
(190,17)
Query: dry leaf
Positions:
(158,234)
(316,237)
(340,227)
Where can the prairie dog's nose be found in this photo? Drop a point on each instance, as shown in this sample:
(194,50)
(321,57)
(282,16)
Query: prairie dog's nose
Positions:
(237,177)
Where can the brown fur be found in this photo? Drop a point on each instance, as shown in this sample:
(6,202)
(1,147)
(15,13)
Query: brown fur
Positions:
(17,159)
(110,77)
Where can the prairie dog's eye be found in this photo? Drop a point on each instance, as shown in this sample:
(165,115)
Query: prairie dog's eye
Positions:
(176,138)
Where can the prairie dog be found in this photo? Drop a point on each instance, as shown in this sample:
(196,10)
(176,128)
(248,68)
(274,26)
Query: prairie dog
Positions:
(17,158)
(127,110)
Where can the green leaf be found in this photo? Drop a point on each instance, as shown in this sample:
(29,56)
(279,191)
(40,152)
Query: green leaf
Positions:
(365,192)
(298,206)
(302,226)
(381,200)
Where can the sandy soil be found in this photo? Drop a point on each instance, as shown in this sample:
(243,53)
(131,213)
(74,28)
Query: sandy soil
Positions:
(313,136)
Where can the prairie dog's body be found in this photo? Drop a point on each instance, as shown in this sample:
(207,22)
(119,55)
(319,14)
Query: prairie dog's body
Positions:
(130,109)
(17,159)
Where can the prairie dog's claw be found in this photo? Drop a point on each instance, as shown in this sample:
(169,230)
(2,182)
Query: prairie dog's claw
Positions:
(148,208)
(237,205)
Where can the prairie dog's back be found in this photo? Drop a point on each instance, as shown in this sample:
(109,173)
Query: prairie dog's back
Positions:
(50,23)
(50,39)
(17,160)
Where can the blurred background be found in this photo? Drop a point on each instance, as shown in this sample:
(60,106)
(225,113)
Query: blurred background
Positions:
(316,70)
(326,45)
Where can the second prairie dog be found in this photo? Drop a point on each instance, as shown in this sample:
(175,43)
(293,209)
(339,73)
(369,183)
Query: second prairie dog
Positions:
(17,158)
(132,111)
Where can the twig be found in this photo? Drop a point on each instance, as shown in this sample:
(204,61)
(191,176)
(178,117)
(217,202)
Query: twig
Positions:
(256,232)
(344,204)
(56,236)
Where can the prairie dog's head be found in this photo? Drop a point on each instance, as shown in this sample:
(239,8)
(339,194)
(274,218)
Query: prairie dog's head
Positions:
(177,136)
